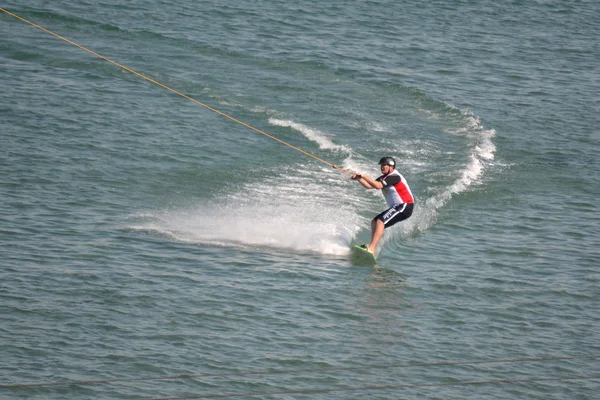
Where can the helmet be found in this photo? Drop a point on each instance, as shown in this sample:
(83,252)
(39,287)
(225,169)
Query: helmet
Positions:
(387,161)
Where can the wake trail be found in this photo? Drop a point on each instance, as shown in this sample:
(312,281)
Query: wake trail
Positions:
(315,209)
(481,153)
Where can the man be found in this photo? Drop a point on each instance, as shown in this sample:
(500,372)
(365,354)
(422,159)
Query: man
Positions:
(397,195)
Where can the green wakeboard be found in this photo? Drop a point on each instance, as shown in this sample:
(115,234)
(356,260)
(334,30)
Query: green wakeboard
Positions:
(361,255)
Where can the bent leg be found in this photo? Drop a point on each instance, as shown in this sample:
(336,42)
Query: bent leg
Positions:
(389,217)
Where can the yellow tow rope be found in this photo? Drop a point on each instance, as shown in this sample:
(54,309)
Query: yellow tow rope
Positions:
(343,170)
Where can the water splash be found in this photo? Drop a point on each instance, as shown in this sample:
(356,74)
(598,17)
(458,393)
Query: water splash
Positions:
(298,213)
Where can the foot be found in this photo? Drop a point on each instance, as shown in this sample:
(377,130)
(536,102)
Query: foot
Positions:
(364,246)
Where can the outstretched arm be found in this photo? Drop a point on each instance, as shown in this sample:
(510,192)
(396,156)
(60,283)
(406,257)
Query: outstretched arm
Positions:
(367,182)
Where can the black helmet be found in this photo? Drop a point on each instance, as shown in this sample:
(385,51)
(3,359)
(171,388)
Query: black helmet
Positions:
(387,161)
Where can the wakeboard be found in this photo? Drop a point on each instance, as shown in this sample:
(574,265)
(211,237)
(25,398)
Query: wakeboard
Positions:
(361,255)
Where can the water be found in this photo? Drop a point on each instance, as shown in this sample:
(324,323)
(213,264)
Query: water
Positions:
(144,236)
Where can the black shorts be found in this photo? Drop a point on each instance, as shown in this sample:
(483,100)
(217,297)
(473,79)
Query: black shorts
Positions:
(395,214)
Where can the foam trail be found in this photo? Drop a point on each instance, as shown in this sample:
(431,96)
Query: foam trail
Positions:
(314,135)
(481,154)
